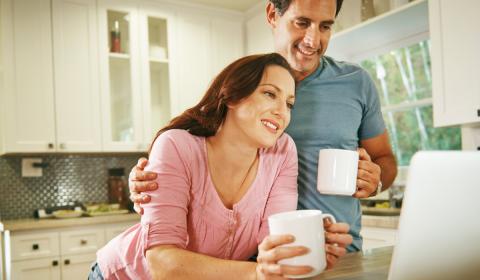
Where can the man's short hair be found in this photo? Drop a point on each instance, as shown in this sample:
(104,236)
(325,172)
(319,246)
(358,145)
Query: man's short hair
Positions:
(282,5)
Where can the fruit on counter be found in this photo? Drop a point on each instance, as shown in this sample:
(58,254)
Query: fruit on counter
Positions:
(385,204)
(102,207)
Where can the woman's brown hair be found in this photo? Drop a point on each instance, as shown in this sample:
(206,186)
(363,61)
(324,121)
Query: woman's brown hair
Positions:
(236,82)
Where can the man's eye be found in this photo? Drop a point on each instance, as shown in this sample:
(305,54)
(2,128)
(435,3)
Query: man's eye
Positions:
(302,23)
(290,106)
(326,27)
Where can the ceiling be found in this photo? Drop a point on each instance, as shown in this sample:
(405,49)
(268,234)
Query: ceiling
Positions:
(237,5)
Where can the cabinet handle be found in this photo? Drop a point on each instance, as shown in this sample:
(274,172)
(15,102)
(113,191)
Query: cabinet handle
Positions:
(55,263)
(50,145)
(83,242)
(66,262)
(478,112)
(35,247)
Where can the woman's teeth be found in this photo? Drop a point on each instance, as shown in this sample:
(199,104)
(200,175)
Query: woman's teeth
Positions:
(270,125)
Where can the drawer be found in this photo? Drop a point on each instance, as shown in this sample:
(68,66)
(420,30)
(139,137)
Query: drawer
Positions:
(81,241)
(34,245)
(114,230)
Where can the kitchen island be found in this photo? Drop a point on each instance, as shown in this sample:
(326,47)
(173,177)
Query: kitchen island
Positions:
(368,265)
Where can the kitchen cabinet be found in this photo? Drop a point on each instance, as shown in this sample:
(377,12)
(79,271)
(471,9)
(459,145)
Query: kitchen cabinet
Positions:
(56,253)
(136,77)
(48,268)
(51,100)
(454,48)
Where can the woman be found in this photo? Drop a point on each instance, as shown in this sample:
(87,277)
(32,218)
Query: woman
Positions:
(224,166)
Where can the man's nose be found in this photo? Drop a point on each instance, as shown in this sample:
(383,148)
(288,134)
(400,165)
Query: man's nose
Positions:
(312,38)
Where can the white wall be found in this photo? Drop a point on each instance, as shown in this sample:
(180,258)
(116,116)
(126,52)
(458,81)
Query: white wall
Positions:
(258,36)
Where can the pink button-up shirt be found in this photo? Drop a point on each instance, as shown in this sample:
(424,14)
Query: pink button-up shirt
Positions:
(187,212)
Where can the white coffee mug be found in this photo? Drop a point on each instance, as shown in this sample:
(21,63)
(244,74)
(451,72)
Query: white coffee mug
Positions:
(337,171)
(307,227)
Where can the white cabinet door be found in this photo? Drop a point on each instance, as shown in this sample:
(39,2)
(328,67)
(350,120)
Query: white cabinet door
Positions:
(41,269)
(28,76)
(192,61)
(77,100)
(122,128)
(77,267)
(156,46)
(455,61)
(112,231)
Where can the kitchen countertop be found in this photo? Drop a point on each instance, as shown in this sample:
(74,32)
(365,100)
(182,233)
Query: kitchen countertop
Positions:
(380,221)
(31,224)
(34,224)
(368,265)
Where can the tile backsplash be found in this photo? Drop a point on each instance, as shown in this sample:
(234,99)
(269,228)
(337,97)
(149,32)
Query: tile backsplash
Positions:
(66,178)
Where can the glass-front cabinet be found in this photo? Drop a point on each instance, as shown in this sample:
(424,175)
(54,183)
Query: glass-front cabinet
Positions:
(135,74)
(155,27)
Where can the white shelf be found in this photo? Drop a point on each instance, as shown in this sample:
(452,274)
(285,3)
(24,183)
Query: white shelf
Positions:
(119,55)
(158,60)
(400,25)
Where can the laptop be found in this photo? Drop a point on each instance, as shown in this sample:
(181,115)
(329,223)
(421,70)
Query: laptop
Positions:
(439,228)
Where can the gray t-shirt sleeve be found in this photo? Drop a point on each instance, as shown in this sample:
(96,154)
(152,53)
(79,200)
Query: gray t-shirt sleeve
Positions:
(372,120)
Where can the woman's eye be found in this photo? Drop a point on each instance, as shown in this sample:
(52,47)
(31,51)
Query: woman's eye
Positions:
(269,94)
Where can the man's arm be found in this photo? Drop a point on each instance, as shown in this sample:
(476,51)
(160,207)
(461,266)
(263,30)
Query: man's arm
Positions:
(377,162)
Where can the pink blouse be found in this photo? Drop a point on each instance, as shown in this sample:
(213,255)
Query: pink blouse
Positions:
(187,212)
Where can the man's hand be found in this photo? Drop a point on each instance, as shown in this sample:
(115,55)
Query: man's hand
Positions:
(337,239)
(140,181)
(368,175)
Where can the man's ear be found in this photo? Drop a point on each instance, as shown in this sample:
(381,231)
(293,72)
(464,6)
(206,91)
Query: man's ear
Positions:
(271,14)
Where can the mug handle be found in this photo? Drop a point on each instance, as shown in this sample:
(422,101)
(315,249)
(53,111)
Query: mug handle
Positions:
(330,217)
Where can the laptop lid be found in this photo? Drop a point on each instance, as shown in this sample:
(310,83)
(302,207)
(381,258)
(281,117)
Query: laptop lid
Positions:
(439,228)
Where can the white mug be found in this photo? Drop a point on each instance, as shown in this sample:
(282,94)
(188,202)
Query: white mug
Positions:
(337,171)
(307,227)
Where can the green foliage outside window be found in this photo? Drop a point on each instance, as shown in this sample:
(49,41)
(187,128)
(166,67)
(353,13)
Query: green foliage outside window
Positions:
(403,80)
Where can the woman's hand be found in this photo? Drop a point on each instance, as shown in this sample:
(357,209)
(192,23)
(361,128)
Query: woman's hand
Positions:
(337,239)
(270,252)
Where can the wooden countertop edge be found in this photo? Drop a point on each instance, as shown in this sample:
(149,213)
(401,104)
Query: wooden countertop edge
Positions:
(38,224)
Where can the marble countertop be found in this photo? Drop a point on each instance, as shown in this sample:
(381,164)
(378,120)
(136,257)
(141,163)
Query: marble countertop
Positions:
(372,264)
(34,224)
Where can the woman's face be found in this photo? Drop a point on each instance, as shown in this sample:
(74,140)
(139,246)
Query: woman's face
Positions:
(263,116)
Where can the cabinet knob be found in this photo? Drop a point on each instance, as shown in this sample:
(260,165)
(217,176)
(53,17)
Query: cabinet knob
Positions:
(478,112)
(66,262)
(83,242)
(35,247)
(55,263)
(50,145)
(62,146)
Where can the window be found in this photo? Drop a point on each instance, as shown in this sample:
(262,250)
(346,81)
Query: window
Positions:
(403,80)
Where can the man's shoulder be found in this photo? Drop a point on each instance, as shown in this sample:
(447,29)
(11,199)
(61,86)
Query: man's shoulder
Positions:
(343,68)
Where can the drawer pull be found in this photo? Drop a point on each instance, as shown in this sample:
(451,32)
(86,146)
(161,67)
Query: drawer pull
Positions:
(83,242)
(66,262)
(35,247)
(55,263)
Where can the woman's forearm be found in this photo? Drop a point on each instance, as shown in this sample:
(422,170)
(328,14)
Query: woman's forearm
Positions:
(170,262)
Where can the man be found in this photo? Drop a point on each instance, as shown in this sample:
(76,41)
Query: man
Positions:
(336,106)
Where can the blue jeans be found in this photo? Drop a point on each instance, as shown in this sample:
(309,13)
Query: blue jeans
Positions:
(95,273)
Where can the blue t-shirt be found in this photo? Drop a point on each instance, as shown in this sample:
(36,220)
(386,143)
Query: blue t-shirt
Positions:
(335,107)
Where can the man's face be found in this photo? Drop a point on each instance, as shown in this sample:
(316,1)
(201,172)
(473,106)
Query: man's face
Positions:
(302,33)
